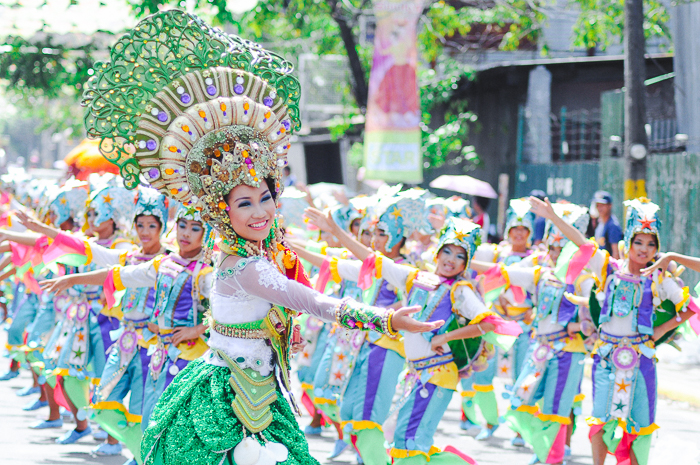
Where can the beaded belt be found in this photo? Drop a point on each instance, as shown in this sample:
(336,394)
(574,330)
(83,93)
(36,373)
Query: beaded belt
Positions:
(136,323)
(632,340)
(552,337)
(251,330)
(429,362)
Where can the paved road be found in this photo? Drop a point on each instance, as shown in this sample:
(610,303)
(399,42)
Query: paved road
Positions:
(677,442)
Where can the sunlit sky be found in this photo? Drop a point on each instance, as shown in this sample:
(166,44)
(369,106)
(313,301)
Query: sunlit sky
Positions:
(59,17)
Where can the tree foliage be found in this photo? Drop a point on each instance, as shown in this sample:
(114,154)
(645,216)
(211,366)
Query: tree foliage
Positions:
(44,78)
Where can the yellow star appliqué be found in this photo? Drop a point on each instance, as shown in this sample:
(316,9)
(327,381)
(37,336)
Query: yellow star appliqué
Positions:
(108,199)
(396,213)
(621,386)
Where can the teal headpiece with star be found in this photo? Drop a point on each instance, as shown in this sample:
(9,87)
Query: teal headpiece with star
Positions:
(642,218)
(460,232)
(458,207)
(400,216)
(344,215)
(112,203)
(189,212)
(519,214)
(575,215)
(150,202)
(69,201)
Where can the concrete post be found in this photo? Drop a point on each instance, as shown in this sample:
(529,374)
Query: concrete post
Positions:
(686,64)
(538,135)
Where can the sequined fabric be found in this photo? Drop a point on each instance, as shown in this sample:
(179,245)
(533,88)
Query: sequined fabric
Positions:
(194,423)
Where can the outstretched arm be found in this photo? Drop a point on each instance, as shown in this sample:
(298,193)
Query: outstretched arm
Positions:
(55,285)
(8,273)
(260,279)
(33,225)
(481,267)
(311,257)
(665,260)
(544,209)
(26,238)
(346,239)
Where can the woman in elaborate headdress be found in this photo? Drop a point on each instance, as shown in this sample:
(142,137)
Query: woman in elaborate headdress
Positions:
(205,118)
(634,313)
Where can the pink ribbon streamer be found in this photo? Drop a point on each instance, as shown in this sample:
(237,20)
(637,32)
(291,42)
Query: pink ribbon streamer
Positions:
(63,244)
(518,294)
(324,275)
(694,321)
(503,327)
(579,261)
(367,272)
(21,254)
(461,455)
(110,289)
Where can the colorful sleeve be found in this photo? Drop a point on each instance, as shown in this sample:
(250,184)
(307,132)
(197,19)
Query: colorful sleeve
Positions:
(102,256)
(468,304)
(396,274)
(68,250)
(348,269)
(114,287)
(671,290)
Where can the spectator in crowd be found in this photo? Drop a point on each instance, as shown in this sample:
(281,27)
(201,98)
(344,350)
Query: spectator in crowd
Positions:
(480,205)
(288,179)
(607,231)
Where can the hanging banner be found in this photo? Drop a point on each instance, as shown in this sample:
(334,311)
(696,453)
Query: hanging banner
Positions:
(392,132)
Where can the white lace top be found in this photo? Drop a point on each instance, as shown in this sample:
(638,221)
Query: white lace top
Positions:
(244,293)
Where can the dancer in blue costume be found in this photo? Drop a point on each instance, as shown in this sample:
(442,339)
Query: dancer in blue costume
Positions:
(79,352)
(63,208)
(26,301)
(635,314)
(554,367)
(513,304)
(172,335)
(369,392)
(343,345)
(123,372)
(431,362)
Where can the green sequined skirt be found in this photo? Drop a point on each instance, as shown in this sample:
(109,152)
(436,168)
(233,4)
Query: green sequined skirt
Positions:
(194,424)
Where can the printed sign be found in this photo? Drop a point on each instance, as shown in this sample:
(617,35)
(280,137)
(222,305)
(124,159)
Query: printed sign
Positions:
(392,132)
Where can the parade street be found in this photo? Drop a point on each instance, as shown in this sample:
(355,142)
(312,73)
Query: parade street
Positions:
(674,443)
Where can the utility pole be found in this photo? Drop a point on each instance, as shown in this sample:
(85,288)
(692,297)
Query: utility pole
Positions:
(635,95)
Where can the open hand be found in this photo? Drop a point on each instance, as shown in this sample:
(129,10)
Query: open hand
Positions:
(29,222)
(436,221)
(152,327)
(402,321)
(185,333)
(660,264)
(318,219)
(341,197)
(542,208)
(56,285)
(298,347)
